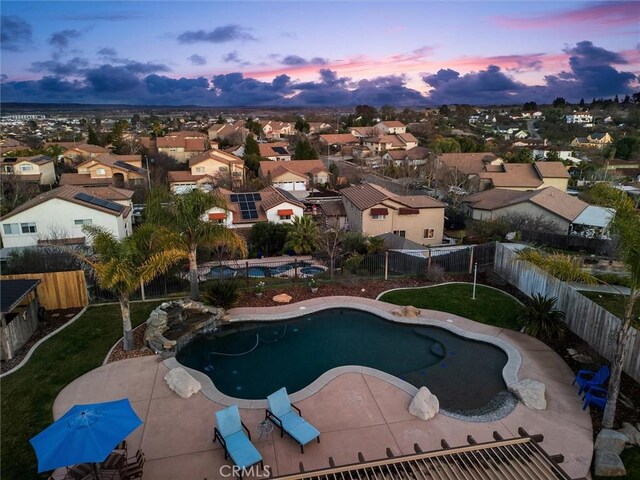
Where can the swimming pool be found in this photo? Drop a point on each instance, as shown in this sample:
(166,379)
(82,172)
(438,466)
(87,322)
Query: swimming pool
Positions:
(252,360)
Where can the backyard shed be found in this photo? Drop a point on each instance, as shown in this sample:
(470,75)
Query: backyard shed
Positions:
(18,314)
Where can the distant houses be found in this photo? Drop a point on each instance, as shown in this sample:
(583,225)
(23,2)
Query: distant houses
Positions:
(38,169)
(108,169)
(593,140)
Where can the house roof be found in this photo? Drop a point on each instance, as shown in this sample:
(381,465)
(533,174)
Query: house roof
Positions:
(417,153)
(407,137)
(300,167)
(338,138)
(13,291)
(396,154)
(176,176)
(392,124)
(110,192)
(551,169)
(214,154)
(550,198)
(468,163)
(396,242)
(514,175)
(89,148)
(36,159)
(273,150)
(67,193)
(83,179)
(334,208)
(367,195)
(270,197)
(118,162)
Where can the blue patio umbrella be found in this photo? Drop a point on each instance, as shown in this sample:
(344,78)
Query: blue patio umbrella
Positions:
(85,434)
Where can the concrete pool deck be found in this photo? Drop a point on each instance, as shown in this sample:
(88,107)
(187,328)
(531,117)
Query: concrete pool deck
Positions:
(354,411)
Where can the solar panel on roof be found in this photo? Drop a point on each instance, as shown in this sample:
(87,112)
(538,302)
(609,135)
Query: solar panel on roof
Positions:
(256,197)
(234,198)
(100,202)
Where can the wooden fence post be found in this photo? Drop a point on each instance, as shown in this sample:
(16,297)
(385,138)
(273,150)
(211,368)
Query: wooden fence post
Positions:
(471,259)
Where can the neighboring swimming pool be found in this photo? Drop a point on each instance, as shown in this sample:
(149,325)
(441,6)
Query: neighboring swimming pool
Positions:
(251,360)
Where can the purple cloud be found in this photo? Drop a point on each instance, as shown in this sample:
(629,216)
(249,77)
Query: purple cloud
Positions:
(227,33)
(296,61)
(197,59)
(62,38)
(15,33)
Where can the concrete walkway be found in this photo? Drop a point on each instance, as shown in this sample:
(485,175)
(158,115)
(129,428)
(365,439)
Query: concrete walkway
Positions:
(354,412)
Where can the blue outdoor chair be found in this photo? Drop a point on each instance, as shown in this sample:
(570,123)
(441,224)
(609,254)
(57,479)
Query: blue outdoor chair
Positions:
(588,378)
(235,442)
(281,413)
(595,396)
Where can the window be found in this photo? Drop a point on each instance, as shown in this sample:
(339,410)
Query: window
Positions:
(84,221)
(101,171)
(378,217)
(28,227)
(429,232)
(285,217)
(199,169)
(11,229)
(26,168)
(401,233)
(223,169)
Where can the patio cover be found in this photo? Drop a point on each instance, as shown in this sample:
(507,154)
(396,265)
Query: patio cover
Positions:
(594,216)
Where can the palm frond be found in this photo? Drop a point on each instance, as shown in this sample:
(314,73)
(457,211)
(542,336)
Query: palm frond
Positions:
(159,262)
(563,267)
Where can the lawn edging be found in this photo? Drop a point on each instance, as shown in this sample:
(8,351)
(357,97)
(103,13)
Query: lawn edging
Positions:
(41,341)
(448,283)
(115,345)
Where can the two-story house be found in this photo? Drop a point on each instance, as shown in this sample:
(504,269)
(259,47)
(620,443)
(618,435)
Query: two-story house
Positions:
(374,210)
(579,117)
(233,132)
(276,129)
(58,216)
(244,210)
(337,141)
(392,127)
(384,143)
(470,164)
(182,145)
(296,175)
(108,169)
(222,166)
(81,152)
(593,140)
(38,169)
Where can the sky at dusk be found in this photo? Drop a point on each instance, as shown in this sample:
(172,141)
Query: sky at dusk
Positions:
(308,53)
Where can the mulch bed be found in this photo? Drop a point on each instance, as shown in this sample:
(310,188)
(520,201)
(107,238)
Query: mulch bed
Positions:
(54,319)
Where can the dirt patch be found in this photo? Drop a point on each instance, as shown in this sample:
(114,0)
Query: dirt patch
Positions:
(54,319)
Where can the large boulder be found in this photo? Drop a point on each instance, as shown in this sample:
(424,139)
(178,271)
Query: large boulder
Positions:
(611,440)
(425,405)
(608,464)
(282,298)
(407,311)
(530,393)
(179,380)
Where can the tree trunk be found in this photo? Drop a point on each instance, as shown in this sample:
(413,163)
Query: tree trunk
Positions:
(616,368)
(193,274)
(127,332)
(332,266)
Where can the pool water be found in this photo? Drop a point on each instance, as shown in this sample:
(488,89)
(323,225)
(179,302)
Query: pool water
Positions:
(311,271)
(252,360)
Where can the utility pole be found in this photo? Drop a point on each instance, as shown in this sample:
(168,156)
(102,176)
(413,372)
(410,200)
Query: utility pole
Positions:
(146,159)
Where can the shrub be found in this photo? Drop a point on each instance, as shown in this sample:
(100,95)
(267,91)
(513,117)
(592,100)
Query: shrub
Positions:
(614,279)
(435,274)
(221,293)
(540,318)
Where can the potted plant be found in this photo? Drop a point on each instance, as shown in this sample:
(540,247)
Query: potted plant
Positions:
(313,285)
(259,289)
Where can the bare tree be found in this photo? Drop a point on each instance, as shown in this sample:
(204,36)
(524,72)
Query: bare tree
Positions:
(330,240)
(16,191)
(456,184)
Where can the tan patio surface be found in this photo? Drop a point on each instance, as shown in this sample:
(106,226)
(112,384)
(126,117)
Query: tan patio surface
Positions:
(354,412)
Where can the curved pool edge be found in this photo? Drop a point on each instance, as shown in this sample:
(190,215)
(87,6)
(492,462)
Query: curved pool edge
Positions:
(376,307)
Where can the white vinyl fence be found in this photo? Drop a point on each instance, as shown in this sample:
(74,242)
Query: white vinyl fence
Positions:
(585,318)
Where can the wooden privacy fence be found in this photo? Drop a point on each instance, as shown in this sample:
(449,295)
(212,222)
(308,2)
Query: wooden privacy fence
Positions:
(585,318)
(58,290)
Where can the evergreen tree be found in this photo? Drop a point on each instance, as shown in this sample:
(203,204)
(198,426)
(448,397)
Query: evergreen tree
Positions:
(251,146)
(93,137)
(581,104)
(302,125)
(304,150)
(616,99)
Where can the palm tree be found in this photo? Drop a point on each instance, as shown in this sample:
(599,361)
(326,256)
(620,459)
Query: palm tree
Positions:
(186,216)
(541,319)
(122,265)
(303,236)
(626,225)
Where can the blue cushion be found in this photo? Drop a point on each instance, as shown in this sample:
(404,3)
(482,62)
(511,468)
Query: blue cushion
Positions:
(242,451)
(228,421)
(303,432)
(279,403)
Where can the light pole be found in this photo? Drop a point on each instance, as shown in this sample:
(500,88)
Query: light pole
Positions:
(146,160)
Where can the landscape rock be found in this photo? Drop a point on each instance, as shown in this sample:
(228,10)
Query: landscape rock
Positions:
(407,311)
(181,382)
(425,405)
(282,298)
(530,393)
(611,441)
(632,433)
(608,464)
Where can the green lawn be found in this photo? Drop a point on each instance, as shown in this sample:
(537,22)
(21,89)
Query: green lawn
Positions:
(490,306)
(612,302)
(27,396)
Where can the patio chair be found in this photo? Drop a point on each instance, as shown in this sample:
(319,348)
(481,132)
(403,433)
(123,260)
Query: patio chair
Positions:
(280,412)
(595,396)
(236,444)
(588,378)
(133,467)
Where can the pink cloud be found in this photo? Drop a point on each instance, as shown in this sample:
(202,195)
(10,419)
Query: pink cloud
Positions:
(610,14)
